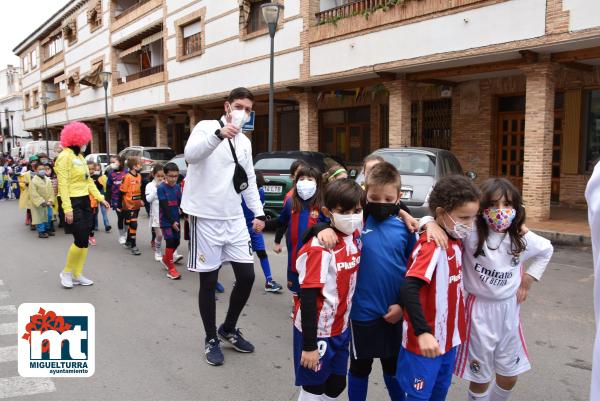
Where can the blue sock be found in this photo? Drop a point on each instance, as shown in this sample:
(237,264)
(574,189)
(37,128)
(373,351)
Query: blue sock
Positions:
(266,268)
(393,388)
(357,387)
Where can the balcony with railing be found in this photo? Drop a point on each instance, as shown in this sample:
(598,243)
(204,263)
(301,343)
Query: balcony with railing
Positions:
(342,17)
(141,74)
(123,8)
(126,11)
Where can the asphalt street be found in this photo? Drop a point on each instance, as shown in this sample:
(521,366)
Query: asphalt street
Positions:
(150,341)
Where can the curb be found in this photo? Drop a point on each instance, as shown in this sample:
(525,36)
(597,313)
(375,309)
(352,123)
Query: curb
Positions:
(569,239)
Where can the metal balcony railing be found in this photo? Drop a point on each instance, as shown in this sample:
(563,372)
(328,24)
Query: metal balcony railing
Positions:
(352,7)
(131,8)
(142,74)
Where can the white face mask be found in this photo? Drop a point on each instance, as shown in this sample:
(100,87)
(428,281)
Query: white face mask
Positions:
(460,230)
(83,148)
(306,189)
(348,223)
(239,118)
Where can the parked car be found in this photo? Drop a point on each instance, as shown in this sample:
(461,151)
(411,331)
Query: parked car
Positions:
(420,169)
(275,167)
(181,163)
(99,158)
(148,156)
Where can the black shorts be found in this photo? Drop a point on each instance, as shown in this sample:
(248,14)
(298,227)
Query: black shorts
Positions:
(375,339)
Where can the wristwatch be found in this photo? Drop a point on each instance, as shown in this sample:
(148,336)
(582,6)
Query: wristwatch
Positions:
(262,218)
(218,134)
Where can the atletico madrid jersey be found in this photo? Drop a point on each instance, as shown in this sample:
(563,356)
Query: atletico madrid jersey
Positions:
(334,272)
(441,297)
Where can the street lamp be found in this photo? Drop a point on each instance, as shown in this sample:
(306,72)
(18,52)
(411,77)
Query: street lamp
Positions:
(105,78)
(12,127)
(45,100)
(271,12)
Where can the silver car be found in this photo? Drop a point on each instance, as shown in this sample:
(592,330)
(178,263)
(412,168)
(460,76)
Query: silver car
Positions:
(148,156)
(420,169)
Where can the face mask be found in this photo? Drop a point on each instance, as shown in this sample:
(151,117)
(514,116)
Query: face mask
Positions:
(499,220)
(83,148)
(96,173)
(460,230)
(381,211)
(348,223)
(44,161)
(114,166)
(41,173)
(306,189)
(239,118)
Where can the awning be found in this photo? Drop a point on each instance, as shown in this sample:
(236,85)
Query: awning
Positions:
(152,38)
(93,77)
(60,78)
(131,50)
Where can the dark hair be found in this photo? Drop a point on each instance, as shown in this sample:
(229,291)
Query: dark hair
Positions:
(344,193)
(122,162)
(384,173)
(260,179)
(451,192)
(333,172)
(170,167)
(240,93)
(316,200)
(133,161)
(296,165)
(157,167)
(492,190)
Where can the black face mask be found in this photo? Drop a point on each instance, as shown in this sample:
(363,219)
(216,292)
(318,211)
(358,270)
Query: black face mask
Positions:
(382,211)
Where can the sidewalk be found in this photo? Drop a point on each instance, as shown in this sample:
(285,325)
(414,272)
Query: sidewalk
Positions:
(565,227)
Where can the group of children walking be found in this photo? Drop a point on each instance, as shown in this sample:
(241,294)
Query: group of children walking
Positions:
(429,305)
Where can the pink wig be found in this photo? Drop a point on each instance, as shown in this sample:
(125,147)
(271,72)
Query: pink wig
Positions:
(75,134)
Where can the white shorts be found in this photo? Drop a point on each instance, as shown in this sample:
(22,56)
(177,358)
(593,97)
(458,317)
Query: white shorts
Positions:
(154,221)
(495,343)
(213,242)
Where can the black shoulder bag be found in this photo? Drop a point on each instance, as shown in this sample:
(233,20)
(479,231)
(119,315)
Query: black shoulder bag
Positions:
(240,178)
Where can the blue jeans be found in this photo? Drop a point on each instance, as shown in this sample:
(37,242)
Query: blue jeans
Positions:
(45,227)
(104,217)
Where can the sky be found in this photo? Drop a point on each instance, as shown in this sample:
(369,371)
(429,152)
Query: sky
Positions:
(13,29)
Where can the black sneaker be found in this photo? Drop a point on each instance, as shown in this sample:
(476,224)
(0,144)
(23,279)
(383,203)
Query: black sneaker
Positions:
(127,245)
(273,286)
(107,229)
(213,354)
(135,251)
(236,340)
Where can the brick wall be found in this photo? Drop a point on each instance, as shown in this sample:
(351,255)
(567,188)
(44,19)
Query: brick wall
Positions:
(309,121)
(557,20)
(572,190)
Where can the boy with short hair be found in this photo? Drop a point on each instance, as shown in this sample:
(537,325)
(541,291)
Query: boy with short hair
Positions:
(169,202)
(130,201)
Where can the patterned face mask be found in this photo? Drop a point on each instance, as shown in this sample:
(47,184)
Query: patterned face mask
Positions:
(499,219)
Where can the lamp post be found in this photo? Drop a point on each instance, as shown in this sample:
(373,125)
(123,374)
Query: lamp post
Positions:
(105,78)
(12,127)
(45,100)
(271,12)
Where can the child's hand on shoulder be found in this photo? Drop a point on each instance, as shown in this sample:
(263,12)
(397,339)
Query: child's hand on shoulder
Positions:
(310,360)
(328,238)
(394,314)
(411,222)
(429,346)
(436,234)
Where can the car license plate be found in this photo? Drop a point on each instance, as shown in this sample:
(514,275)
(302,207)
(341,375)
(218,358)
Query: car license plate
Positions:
(273,189)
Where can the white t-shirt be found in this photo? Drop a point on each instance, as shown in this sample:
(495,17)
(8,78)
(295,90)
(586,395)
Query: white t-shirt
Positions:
(209,191)
(592,195)
(152,199)
(495,274)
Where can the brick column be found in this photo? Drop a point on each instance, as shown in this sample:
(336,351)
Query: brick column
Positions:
(134,132)
(539,132)
(161,130)
(113,129)
(399,106)
(95,138)
(309,121)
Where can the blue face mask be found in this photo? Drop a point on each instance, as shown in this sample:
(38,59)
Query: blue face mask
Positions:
(41,173)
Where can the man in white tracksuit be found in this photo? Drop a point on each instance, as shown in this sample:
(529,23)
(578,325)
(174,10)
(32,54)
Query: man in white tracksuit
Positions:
(592,195)
(218,230)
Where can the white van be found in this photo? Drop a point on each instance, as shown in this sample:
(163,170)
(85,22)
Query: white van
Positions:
(15,152)
(35,147)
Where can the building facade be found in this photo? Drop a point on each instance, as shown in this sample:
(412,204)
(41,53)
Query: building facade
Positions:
(512,87)
(12,134)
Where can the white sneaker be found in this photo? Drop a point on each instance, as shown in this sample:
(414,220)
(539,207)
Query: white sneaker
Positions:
(177,257)
(122,239)
(66,279)
(81,280)
(158,256)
